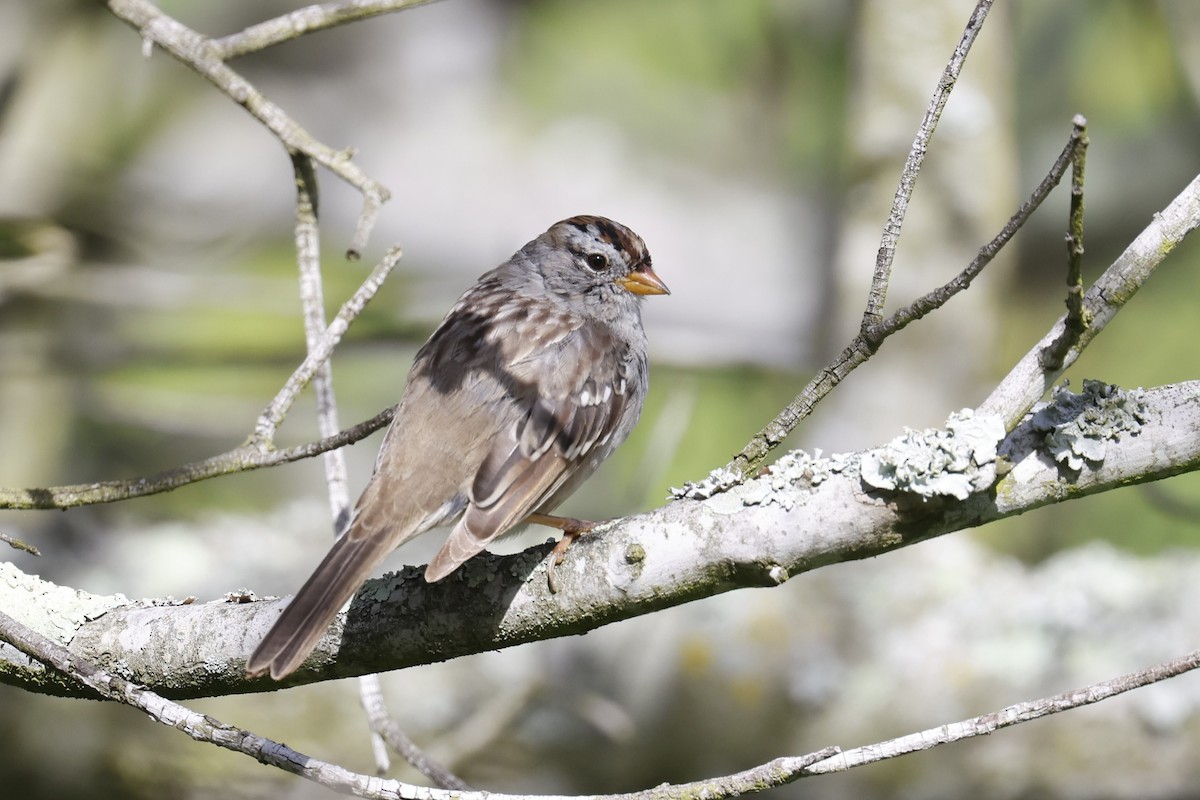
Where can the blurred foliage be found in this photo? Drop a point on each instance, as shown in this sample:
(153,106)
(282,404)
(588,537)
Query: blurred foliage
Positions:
(754,85)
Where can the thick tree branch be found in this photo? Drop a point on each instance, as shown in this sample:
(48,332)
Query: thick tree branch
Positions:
(803,514)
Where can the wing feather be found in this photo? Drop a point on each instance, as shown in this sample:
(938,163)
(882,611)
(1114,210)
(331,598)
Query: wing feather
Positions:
(566,424)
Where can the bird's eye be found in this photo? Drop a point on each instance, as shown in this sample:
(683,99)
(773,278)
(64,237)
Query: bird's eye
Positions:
(596,261)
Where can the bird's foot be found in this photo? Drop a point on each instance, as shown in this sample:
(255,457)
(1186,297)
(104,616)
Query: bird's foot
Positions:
(572,529)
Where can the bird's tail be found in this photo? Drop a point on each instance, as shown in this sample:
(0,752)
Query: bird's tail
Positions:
(304,621)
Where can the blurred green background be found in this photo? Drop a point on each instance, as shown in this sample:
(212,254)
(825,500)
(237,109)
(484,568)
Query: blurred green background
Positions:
(148,311)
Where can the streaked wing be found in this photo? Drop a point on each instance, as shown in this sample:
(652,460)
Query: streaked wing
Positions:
(565,427)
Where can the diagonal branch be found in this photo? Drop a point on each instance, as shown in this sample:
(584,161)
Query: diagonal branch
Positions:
(257,452)
(302,21)
(198,52)
(1006,717)
(318,354)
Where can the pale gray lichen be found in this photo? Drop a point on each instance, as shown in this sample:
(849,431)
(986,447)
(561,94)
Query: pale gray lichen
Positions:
(52,610)
(1078,427)
(717,481)
(953,461)
(776,483)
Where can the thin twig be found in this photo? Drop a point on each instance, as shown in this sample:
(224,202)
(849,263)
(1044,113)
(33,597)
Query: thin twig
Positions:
(384,731)
(938,297)
(258,451)
(1005,717)
(312,299)
(241,459)
(202,55)
(305,20)
(14,542)
(370,694)
(1077,319)
(877,295)
(272,415)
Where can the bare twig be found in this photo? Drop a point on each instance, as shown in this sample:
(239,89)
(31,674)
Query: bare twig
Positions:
(877,294)
(371,695)
(312,299)
(1005,717)
(1077,319)
(938,297)
(305,20)
(272,415)
(873,328)
(258,451)
(240,459)
(200,53)
(14,542)
(384,731)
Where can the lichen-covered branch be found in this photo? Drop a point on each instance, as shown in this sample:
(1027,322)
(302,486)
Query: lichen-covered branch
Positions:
(869,340)
(802,514)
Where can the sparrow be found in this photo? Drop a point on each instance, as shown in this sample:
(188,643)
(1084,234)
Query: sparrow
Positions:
(534,377)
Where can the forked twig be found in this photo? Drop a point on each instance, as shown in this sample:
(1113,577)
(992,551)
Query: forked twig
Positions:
(199,52)
(869,340)
(1029,379)
(877,294)
(272,415)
